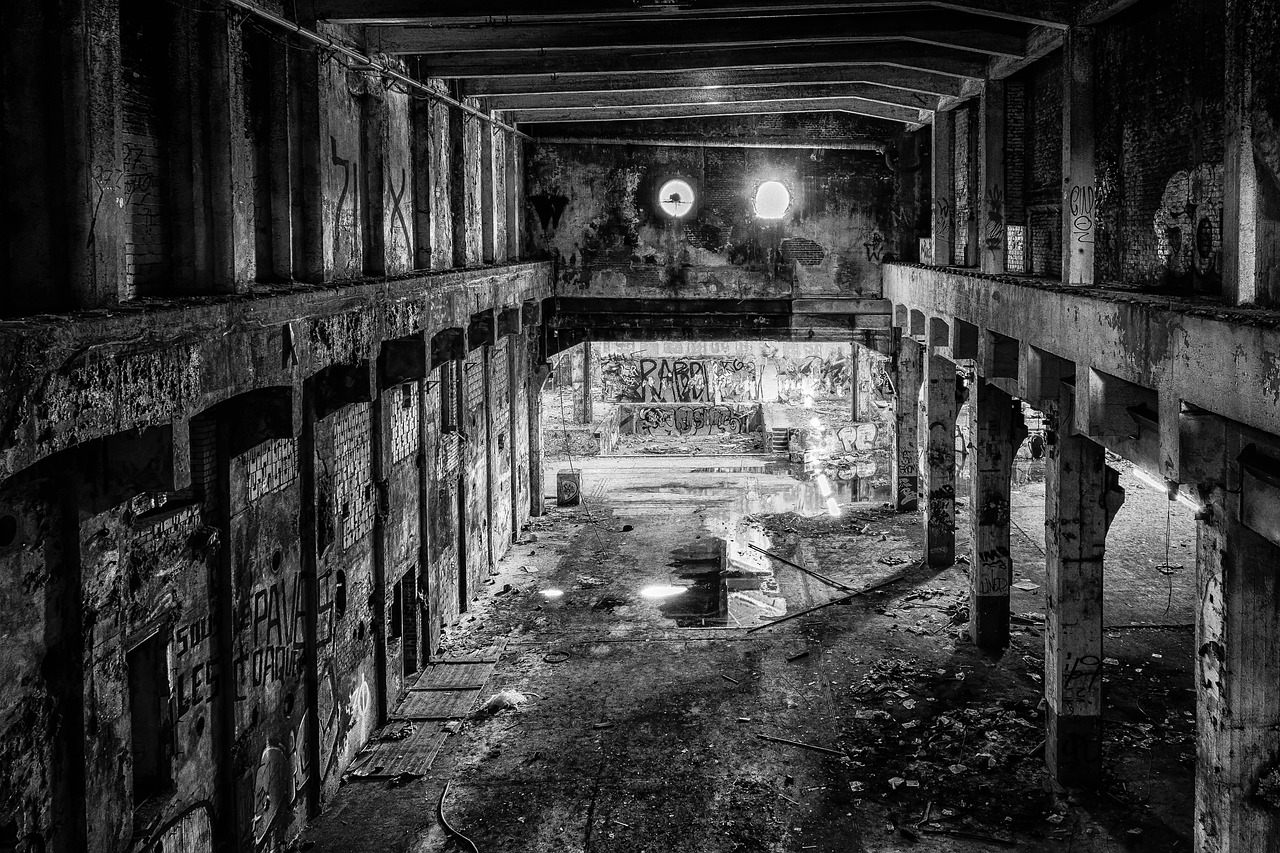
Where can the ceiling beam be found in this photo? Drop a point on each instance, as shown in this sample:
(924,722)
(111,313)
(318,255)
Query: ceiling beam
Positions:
(850,105)
(944,29)
(712,95)
(1052,13)
(938,60)
(907,80)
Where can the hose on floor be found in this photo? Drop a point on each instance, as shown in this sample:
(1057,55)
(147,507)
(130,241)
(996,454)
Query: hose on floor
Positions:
(463,841)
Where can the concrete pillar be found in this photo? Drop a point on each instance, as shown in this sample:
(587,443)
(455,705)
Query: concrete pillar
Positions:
(991,253)
(907,375)
(488,224)
(853,383)
(584,415)
(231,193)
(997,431)
(938,417)
(943,189)
(1081,498)
(537,379)
(94,227)
(1079,192)
(1237,679)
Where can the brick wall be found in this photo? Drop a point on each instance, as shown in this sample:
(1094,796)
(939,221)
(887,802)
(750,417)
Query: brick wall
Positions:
(1160,109)
(144,159)
(1044,166)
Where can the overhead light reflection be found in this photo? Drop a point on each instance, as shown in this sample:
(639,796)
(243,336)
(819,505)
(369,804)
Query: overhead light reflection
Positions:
(833,508)
(661,591)
(552,593)
(824,485)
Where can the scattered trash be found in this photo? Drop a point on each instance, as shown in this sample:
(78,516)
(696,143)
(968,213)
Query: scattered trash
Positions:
(444,821)
(589,582)
(1026,586)
(734,680)
(453,726)
(556,657)
(627,528)
(892,560)
(603,725)
(857,787)
(798,656)
(895,782)
(503,701)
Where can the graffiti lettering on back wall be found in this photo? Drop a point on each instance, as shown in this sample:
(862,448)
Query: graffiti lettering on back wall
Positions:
(677,379)
(694,419)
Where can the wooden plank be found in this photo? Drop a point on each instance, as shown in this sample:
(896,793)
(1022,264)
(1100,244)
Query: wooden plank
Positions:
(454,676)
(436,704)
(413,754)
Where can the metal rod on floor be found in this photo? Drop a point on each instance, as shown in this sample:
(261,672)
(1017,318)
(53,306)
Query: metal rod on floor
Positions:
(828,581)
(841,600)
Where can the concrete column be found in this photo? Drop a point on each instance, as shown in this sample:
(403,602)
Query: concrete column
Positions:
(1079,193)
(997,431)
(991,253)
(537,379)
(907,375)
(938,416)
(487,207)
(1081,498)
(231,195)
(943,188)
(586,413)
(96,190)
(853,383)
(1237,680)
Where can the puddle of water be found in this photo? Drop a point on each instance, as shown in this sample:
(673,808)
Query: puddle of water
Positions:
(725,583)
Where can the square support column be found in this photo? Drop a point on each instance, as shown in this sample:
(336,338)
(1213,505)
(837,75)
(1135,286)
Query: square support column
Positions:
(1082,496)
(1079,191)
(997,430)
(1237,679)
(943,189)
(908,374)
(991,253)
(538,376)
(938,415)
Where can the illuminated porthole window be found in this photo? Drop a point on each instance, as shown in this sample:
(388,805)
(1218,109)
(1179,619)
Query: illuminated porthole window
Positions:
(675,198)
(773,200)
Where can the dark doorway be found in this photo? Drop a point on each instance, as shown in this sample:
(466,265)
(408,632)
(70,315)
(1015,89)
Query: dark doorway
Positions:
(148,701)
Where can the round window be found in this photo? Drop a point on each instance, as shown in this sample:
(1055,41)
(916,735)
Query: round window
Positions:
(675,198)
(772,200)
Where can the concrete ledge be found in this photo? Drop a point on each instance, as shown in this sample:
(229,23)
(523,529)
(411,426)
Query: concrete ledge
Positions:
(1222,359)
(77,377)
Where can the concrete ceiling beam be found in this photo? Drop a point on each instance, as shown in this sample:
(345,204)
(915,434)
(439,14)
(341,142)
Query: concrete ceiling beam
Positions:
(1052,13)
(856,106)
(713,95)
(920,57)
(908,80)
(945,29)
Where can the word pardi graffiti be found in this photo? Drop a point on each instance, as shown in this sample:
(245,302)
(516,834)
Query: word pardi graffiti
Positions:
(678,380)
(688,420)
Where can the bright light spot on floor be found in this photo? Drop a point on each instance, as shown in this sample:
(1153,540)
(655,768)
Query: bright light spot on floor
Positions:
(815,422)
(772,200)
(824,485)
(552,593)
(833,509)
(808,402)
(661,591)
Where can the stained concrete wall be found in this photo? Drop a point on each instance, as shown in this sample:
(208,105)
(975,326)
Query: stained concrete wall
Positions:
(230,526)
(595,210)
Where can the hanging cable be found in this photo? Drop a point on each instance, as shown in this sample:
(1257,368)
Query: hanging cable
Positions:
(380,67)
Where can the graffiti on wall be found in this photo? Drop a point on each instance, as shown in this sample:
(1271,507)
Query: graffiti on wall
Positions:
(815,375)
(1188,224)
(678,379)
(695,419)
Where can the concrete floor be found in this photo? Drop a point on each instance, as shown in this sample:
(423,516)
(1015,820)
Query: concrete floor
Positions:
(642,735)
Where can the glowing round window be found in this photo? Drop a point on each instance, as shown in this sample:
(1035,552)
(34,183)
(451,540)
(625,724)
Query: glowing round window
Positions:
(772,200)
(675,198)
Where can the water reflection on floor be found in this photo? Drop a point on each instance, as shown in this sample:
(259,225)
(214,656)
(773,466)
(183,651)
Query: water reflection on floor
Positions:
(726,585)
